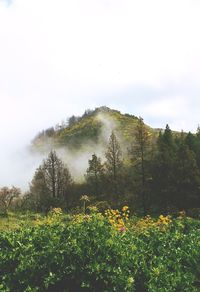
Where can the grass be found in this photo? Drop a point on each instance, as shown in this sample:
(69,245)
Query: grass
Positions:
(15,220)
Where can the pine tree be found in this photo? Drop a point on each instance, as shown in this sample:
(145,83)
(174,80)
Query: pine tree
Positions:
(94,174)
(114,164)
(163,170)
(139,153)
(187,177)
(190,140)
(39,193)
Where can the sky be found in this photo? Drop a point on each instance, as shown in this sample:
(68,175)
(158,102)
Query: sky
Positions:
(60,57)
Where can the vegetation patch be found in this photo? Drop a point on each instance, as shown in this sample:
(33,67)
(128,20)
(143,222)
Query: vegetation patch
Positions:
(91,252)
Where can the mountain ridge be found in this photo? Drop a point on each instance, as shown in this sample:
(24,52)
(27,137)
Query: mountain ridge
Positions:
(94,126)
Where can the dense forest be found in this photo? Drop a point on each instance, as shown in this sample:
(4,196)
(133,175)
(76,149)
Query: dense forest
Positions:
(152,172)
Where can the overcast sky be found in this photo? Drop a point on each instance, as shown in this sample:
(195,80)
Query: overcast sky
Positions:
(60,57)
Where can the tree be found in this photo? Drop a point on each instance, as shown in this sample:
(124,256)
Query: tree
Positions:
(72,120)
(114,163)
(190,140)
(56,175)
(196,146)
(7,195)
(187,178)
(139,153)
(94,174)
(52,181)
(39,195)
(164,169)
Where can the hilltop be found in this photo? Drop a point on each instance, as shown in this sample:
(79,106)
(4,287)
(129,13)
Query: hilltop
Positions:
(93,127)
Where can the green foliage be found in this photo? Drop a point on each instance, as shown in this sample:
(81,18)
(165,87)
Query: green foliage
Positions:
(80,252)
(15,220)
(175,172)
(162,173)
(114,164)
(94,175)
(140,152)
(88,128)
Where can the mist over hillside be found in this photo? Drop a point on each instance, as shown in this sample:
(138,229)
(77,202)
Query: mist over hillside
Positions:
(74,141)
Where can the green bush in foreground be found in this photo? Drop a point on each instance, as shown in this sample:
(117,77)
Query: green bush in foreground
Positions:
(87,253)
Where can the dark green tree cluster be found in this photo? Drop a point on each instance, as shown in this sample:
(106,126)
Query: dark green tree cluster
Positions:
(176,171)
(156,175)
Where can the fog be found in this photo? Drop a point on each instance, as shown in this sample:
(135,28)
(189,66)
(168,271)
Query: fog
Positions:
(20,162)
(18,166)
(135,60)
(77,160)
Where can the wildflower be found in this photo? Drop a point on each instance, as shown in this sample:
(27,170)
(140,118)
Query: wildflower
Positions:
(125,208)
(84,198)
(122,229)
(117,219)
(182,214)
(55,211)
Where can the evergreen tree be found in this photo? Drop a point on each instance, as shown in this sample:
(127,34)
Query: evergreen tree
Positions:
(197,146)
(39,195)
(187,178)
(140,151)
(114,164)
(163,169)
(94,174)
(190,140)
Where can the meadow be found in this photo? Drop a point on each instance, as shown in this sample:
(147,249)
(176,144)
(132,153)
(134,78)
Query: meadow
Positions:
(99,252)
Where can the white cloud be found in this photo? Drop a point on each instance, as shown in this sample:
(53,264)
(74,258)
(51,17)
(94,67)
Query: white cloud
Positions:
(60,57)
(170,108)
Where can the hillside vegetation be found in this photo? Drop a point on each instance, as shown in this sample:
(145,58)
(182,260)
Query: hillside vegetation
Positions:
(114,159)
(94,126)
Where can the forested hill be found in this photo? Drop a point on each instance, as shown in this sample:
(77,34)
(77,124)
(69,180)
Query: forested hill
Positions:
(117,158)
(94,126)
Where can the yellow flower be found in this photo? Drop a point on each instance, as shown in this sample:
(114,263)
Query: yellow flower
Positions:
(125,208)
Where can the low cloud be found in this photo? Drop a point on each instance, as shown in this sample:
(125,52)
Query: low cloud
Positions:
(143,64)
(20,165)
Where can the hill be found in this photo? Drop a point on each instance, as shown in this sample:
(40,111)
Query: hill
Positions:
(92,128)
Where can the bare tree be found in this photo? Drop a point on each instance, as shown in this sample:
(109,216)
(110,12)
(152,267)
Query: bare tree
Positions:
(56,175)
(52,182)
(7,195)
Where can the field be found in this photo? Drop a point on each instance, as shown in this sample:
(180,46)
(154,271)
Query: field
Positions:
(99,252)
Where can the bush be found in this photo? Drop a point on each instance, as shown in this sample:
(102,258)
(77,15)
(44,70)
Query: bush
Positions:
(194,213)
(86,252)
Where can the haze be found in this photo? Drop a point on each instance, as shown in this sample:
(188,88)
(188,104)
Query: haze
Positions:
(58,58)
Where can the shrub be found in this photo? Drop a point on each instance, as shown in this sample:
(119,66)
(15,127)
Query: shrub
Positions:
(86,252)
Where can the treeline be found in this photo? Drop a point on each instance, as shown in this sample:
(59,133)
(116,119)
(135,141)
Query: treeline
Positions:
(161,175)
(72,120)
(65,123)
